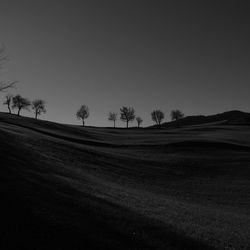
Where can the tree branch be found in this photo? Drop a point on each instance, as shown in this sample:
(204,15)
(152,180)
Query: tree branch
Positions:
(4,86)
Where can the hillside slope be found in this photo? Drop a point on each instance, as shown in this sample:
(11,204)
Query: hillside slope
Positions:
(234,117)
(68,187)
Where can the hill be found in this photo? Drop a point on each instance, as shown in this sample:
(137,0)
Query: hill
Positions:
(69,187)
(234,117)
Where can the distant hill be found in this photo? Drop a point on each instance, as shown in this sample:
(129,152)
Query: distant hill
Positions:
(234,117)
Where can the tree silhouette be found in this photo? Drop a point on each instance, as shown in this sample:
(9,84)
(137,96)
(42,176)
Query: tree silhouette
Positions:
(139,121)
(127,114)
(8,100)
(20,103)
(176,115)
(157,116)
(112,117)
(39,107)
(83,113)
(3,59)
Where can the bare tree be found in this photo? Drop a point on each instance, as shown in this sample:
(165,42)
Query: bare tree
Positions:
(8,100)
(3,59)
(20,103)
(139,121)
(157,116)
(39,107)
(112,117)
(127,114)
(176,114)
(83,113)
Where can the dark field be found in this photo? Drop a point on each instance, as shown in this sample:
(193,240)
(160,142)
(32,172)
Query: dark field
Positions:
(68,187)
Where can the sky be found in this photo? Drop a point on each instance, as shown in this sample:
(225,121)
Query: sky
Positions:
(187,55)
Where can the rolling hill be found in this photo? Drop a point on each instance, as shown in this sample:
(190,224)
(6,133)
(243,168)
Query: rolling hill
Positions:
(69,187)
(234,117)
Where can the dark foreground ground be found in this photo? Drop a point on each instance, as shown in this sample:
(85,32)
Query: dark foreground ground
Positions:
(67,187)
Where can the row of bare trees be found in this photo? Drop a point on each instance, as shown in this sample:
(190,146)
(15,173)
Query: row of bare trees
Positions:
(158,116)
(18,102)
(127,114)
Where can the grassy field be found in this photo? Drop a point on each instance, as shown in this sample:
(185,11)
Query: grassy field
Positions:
(69,187)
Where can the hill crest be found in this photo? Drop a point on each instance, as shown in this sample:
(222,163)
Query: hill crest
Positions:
(234,117)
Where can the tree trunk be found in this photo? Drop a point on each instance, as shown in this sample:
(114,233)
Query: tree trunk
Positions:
(127,124)
(83,123)
(114,124)
(9,109)
(36,115)
(18,113)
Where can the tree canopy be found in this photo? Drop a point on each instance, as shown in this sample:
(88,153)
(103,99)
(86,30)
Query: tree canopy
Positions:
(176,114)
(20,103)
(39,107)
(127,114)
(157,116)
(83,113)
(139,121)
(112,117)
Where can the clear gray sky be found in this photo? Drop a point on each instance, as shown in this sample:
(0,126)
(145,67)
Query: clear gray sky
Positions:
(191,55)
